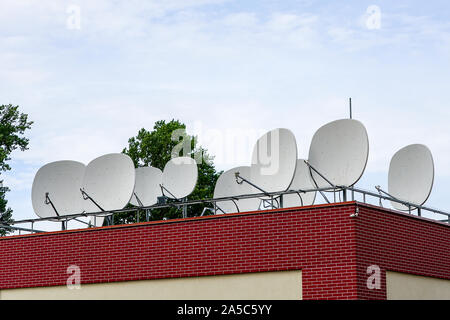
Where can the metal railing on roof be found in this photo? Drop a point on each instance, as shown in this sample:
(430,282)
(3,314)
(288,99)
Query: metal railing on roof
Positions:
(269,200)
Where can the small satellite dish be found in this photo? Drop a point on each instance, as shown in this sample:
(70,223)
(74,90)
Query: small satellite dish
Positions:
(274,160)
(226,186)
(339,151)
(179,177)
(109,181)
(61,180)
(147,187)
(411,175)
(302,181)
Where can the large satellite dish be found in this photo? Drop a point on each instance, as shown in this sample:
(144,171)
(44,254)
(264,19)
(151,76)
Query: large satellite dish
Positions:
(61,180)
(274,160)
(302,181)
(147,187)
(339,151)
(109,181)
(179,177)
(411,175)
(226,186)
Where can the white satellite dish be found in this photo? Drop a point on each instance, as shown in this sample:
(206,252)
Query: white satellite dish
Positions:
(62,181)
(147,187)
(226,186)
(302,181)
(411,175)
(274,160)
(339,151)
(109,181)
(179,177)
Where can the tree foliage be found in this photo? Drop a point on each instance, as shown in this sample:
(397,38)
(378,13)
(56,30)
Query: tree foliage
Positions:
(156,148)
(13,125)
(5,212)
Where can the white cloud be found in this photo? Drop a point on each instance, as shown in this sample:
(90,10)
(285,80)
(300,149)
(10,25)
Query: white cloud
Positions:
(287,21)
(241,20)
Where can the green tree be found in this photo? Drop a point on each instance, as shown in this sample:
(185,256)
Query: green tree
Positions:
(5,212)
(13,125)
(155,148)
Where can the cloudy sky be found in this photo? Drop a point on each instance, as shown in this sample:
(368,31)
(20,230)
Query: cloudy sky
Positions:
(90,74)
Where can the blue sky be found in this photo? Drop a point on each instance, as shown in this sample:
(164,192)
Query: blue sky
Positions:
(224,67)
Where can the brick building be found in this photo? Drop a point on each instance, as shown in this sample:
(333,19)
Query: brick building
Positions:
(345,250)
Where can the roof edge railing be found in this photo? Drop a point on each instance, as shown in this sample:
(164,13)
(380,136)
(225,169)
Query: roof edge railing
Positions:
(381,196)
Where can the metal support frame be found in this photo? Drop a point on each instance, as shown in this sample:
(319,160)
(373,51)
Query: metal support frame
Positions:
(207,209)
(108,218)
(410,206)
(184,208)
(138,200)
(216,207)
(267,194)
(140,204)
(19,229)
(381,195)
(381,191)
(236,174)
(48,201)
(164,188)
(87,197)
(323,177)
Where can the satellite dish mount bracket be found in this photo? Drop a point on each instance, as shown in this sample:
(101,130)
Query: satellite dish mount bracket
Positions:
(237,175)
(87,197)
(164,188)
(138,200)
(323,177)
(48,201)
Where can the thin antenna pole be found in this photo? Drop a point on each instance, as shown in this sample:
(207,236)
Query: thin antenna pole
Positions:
(350,102)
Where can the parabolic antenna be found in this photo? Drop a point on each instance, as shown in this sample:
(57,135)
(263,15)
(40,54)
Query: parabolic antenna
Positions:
(147,187)
(274,160)
(302,181)
(179,177)
(109,181)
(411,175)
(339,151)
(226,186)
(62,181)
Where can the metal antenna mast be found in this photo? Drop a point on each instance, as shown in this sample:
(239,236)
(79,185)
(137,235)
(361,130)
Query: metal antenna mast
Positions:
(350,104)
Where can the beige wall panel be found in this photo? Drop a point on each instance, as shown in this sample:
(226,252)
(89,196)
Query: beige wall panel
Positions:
(412,287)
(264,285)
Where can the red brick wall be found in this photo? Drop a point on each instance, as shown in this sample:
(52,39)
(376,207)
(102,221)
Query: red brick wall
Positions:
(331,248)
(399,242)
